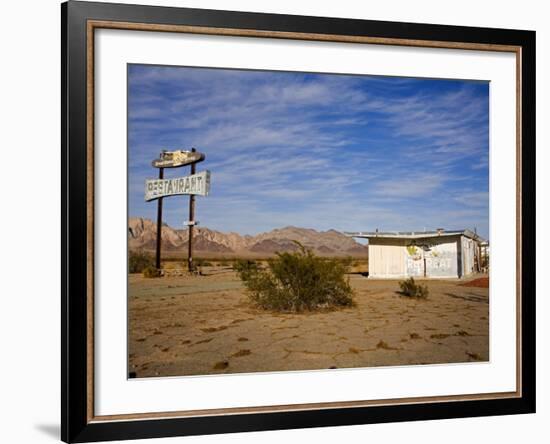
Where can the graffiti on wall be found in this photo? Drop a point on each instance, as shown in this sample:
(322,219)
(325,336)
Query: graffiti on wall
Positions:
(431,259)
(415,262)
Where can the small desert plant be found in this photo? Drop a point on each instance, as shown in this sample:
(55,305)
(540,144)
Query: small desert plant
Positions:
(139,260)
(151,272)
(245,268)
(412,289)
(297,281)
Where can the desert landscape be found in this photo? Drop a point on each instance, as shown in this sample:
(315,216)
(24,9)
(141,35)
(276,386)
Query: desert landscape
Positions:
(291,221)
(215,244)
(204,323)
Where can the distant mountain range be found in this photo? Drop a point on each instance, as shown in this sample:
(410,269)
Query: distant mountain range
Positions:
(142,235)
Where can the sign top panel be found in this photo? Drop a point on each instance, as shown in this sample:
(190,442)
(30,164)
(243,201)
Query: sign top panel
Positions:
(178,158)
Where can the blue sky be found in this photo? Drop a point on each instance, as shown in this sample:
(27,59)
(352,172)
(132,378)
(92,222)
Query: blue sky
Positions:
(351,153)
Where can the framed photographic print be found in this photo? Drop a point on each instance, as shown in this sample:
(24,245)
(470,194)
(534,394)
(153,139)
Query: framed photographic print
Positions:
(276,221)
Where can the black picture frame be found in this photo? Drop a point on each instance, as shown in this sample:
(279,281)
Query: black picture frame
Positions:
(76,423)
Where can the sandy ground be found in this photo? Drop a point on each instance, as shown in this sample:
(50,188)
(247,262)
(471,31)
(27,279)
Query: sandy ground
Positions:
(196,325)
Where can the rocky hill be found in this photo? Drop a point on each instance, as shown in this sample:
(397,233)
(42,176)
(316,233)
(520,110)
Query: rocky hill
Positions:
(142,235)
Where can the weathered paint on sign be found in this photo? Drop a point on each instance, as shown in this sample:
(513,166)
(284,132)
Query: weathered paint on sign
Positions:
(173,159)
(198,184)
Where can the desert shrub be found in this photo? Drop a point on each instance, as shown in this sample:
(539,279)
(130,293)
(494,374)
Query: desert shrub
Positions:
(138,261)
(347,263)
(297,281)
(151,272)
(245,268)
(410,288)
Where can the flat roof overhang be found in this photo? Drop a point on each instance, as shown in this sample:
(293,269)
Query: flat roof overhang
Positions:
(413,234)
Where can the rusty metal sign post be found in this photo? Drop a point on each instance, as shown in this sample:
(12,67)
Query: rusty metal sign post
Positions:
(195,184)
(191,223)
(159,224)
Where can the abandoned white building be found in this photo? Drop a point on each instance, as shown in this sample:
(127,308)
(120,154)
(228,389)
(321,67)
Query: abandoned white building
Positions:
(432,254)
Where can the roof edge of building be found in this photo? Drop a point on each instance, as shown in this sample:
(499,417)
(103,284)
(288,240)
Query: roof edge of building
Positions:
(414,234)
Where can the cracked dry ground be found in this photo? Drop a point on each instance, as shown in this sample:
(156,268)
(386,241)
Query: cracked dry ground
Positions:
(197,325)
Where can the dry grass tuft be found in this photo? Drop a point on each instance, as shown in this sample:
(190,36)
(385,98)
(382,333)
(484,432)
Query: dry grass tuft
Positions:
(214,329)
(474,356)
(384,346)
(222,365)
(241,353)
(439,336)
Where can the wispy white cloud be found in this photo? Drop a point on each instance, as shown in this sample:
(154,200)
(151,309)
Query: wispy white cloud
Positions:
(326,151)
(473,198)
(413,185)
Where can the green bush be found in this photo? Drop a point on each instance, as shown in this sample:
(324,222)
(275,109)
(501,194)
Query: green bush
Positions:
(138,261)
(151,272)
(245,268)
(412,289)
(298,281)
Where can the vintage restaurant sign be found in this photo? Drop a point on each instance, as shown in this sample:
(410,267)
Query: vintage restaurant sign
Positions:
(198,184)
(173,159)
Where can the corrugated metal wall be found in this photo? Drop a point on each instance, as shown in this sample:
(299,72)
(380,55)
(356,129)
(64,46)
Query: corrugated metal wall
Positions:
(442,257)
(441,260)
(468,256)
(386,258)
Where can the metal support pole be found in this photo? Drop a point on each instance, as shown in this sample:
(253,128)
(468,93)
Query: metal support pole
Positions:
(159,224)
(424,259)
(191,223)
